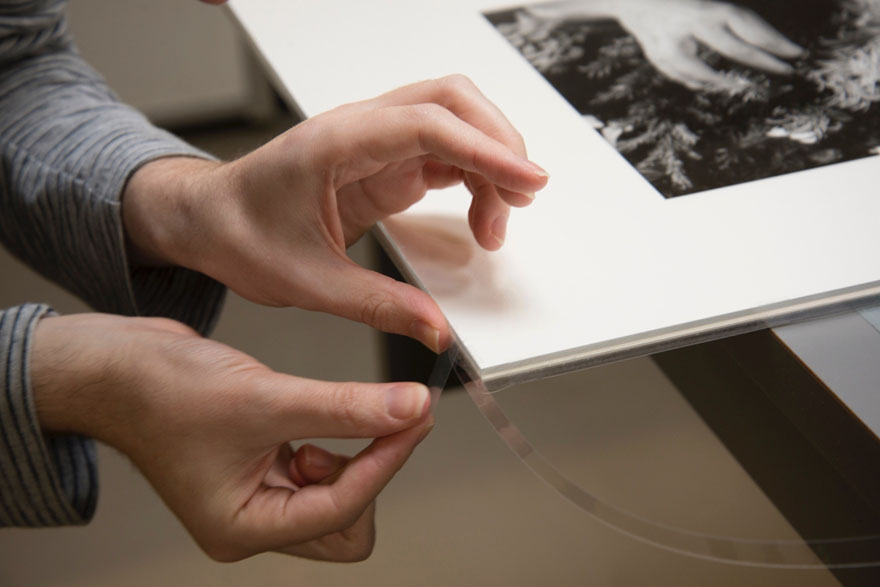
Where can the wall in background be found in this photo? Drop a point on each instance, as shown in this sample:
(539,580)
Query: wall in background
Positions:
(181,62)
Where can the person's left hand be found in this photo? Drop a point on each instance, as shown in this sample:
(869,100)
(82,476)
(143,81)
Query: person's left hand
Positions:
(210,428)
(274,225)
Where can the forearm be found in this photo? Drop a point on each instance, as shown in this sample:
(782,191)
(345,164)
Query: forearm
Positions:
(68,148)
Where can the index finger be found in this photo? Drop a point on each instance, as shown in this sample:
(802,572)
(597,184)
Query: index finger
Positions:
(458,94)
(461,96)
(319,510)
(399,133)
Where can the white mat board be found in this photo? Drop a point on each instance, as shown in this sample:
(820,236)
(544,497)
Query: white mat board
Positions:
(600,265)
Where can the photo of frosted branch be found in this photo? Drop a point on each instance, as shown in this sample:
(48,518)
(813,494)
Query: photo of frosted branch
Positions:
(750,89)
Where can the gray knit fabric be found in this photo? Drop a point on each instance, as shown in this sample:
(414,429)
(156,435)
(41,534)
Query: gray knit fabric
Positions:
(44,481)
(67,147)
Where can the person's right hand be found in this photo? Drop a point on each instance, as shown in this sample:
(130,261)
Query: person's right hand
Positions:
(209,427)
(669,32)
(274,225)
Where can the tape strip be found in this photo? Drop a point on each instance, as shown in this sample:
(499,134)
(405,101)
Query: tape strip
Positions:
(834,553)
(440,373)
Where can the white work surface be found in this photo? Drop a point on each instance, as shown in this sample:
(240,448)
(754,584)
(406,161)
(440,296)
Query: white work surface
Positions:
(600,266)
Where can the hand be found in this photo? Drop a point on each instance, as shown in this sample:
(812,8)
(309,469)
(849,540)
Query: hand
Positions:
(274,225)
(209,428)
(669,31)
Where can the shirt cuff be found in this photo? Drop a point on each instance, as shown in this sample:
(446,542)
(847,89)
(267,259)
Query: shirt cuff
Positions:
(44,480)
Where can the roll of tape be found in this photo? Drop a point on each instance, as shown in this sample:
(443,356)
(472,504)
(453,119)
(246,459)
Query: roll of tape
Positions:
(827,553)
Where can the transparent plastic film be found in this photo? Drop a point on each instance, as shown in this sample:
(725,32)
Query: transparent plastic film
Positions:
(835,552)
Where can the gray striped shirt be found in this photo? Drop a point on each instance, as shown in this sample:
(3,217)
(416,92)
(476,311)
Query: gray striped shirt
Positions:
(67,147)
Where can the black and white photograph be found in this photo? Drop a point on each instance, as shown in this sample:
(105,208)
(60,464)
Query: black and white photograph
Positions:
(703,94)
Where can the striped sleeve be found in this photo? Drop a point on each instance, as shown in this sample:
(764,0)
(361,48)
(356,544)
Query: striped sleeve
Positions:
(44,480)
(68,148)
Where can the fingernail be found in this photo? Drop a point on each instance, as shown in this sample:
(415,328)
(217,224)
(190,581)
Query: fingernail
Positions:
(426,333)
(538,169)
(405,402)
(318,458)
(499,229)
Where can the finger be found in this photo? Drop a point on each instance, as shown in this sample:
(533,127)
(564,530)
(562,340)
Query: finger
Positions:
(400,133)
(279,518)
(439,175)
(307,408)
(382,302)
(755,30)
(458,94)
(488,214)
(368,473)
(693,73)
(366,202)
(514,198)
(278,474)
(312,464)
(352,544)
(735,49)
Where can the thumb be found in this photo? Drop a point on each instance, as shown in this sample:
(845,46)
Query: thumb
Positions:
(295,408)
(385,303)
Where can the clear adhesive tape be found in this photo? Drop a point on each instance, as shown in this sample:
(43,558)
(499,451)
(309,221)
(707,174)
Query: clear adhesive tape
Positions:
(828,553)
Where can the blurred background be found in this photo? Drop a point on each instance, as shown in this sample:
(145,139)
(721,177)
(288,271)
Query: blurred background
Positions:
(464,511)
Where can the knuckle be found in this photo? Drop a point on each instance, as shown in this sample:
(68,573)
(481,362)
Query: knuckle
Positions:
(346,407)
(423,117)
(457,83)
(374,309)
(341,516)
(425,114)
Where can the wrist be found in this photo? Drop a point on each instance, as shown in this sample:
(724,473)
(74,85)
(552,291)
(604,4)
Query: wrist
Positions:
(160,210)
(77,374)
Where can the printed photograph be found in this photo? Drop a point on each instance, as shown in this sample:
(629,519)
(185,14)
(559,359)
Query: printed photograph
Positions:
(702,94)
